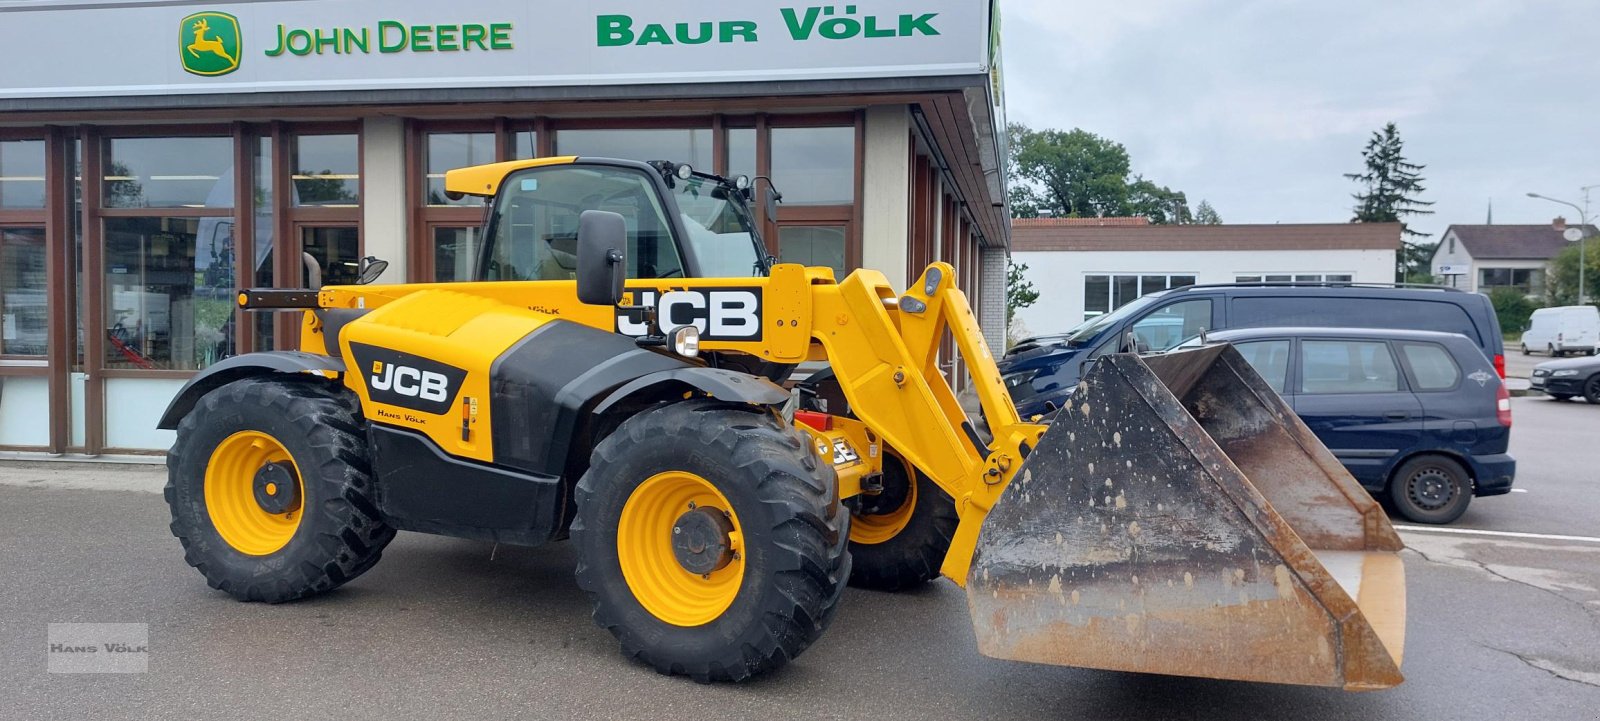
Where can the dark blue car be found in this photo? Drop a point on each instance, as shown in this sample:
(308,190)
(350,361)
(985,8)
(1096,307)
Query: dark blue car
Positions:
(1420,417)
(1041,372)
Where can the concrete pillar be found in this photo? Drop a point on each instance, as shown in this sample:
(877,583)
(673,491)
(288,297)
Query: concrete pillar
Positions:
(384,205)
(886,192)
(992,285)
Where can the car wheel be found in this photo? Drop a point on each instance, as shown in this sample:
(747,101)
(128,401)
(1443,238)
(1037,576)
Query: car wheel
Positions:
(1591,390)
(1524,348)
(1431,489)
(1550,350)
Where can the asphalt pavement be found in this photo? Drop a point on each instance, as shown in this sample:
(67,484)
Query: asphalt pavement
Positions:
(1502,627)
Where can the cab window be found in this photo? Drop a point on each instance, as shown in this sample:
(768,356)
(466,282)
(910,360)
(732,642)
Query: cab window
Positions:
(535,234)
(1171,324)
(1347,366)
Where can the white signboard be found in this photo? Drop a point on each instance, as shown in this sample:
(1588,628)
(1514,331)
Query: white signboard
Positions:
(1454,269)
(110,49)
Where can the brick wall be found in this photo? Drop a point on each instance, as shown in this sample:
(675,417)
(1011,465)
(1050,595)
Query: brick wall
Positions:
(992,310)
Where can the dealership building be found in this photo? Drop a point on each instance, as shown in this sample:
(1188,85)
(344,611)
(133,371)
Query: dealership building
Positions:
(157,156)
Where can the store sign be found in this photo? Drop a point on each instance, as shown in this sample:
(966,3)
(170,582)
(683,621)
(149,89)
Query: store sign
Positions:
(304,45)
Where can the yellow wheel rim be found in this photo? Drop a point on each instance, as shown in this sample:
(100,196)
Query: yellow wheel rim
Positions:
(230,494)
(661,584)
(879,528)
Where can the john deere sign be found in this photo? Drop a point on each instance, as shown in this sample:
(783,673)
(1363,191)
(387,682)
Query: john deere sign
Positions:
(287,46)
(209,43)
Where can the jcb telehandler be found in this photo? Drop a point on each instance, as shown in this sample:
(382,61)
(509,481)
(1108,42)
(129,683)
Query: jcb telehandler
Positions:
(613,376)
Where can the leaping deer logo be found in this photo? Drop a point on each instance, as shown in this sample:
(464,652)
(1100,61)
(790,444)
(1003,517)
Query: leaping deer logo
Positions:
(203,44)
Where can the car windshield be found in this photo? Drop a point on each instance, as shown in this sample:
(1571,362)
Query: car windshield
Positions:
(1086,331)
(720,228)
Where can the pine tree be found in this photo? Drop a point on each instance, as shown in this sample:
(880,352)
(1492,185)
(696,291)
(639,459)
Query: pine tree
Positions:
(1204,214)
(1392,186)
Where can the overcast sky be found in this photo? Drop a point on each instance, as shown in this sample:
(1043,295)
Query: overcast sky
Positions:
(1260,105)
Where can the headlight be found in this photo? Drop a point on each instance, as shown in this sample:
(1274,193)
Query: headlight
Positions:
(685,340)
(1016,379)
(1564,374)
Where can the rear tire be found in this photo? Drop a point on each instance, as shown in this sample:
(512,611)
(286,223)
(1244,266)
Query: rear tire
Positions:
(903,547)
(1431,489)
(1524,348)
(329,530)
(783,583)
(1591,390)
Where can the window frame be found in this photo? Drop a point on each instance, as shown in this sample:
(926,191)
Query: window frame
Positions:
(1410,371)
(1139,278)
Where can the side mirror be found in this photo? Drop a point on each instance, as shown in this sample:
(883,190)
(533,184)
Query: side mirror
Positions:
(602,257)
(371,268)
(769,200)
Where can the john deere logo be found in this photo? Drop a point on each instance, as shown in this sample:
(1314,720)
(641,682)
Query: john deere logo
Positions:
(209,43)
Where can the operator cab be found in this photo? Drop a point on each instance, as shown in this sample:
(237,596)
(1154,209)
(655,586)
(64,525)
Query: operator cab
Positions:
(680,223)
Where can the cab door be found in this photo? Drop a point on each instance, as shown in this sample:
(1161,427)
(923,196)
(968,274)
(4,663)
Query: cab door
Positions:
(1350,392)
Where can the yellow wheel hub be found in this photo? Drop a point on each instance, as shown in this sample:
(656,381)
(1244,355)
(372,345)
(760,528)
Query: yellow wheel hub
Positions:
(672,523)
(243,467)
(880,527)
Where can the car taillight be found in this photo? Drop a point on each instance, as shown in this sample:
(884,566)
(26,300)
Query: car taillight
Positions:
(1500,366)
(1502,406)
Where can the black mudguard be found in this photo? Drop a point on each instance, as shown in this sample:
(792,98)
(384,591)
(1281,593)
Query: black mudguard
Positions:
(239,368)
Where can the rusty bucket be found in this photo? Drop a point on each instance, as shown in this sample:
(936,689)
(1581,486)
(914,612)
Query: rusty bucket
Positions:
(1178,518)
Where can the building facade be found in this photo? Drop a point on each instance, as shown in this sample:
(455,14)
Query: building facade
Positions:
(200,148)
(1084,267)
(1480,258)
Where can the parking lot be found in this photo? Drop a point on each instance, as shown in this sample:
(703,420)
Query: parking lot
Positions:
(1501,626)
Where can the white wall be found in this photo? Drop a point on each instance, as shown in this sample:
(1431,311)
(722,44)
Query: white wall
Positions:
(383,189)
(1059,275)
(1452,252)
(886,192)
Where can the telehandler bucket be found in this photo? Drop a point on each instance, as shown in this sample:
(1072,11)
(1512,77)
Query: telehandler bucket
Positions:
(1178,518)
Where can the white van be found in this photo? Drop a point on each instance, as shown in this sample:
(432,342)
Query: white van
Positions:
(1559,331)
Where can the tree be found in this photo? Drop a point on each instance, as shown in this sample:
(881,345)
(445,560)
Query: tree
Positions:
(1392,185)
(1020,292)
(1162,205)
(1204,214)
(1563,289)
(1077,174)
(1512,307)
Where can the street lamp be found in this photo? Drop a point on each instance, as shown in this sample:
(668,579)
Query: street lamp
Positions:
(1583,232)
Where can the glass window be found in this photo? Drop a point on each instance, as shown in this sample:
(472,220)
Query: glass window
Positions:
(337,251)
(741,152)
(1170,325)
(1096,294)
(1182,281)
(447,151)
(720,228)
(1258,311)
(814,245)
(169,173)
(536,222)
(525,144)
(815,166)
(1152,284)
(1279,278)
(1308,278)
(677,145)
(455,253)
(21,173)
(169,292)
(23,319)
(1270,358)
(261,276)
(1125,288)
(1338,278)
(327,170)
(1347,366)
(1431,366)
(1247,278)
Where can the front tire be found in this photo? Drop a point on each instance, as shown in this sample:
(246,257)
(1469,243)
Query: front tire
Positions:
(1524,348)
(1431,489)
(1591,390)
(270,489)
(898,539)
(764,561)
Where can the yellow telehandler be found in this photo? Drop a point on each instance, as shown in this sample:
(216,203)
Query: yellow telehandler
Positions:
(613,376)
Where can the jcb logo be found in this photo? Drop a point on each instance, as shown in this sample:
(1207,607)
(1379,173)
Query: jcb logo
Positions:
(408,381)
(719,313)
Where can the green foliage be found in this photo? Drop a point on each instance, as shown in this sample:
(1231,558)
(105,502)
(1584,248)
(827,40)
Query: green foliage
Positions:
(1563,287)
(1416,261)
(1077,174)
(1204,214)
(1391,183)
(1020,292)
(1512,308)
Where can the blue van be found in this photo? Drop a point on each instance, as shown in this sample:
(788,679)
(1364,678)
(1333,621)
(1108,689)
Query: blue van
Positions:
(1041,372)
(1418,417)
